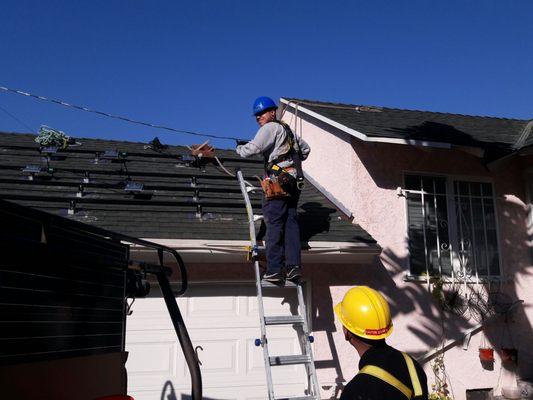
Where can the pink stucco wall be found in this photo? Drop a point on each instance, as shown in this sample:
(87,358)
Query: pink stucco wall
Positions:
(364,178)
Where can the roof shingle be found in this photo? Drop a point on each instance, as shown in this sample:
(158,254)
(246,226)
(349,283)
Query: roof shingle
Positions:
(174,189)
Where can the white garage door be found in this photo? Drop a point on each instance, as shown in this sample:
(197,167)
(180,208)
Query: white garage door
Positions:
(223,320)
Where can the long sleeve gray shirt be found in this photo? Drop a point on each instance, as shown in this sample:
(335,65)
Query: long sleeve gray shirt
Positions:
(271,141)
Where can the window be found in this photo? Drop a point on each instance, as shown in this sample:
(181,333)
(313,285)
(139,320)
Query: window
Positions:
(451,227)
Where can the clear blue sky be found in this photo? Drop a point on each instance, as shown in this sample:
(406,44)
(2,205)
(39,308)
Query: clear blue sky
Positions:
(198,65)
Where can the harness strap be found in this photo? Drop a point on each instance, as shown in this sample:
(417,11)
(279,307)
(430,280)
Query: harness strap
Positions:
(415,381)
(385,376)
(380,373)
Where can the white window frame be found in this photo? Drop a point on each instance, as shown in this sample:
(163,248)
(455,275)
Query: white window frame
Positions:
(453,232)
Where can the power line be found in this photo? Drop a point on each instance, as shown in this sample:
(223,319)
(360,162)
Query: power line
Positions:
(105,114)
(17,119)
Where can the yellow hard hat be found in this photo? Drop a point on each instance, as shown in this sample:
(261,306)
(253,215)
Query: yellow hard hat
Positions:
(365,313)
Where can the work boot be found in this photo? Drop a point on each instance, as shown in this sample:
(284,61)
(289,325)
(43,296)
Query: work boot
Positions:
(273,277)
(294,274)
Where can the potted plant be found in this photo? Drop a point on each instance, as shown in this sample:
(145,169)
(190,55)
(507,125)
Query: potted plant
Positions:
(486,354)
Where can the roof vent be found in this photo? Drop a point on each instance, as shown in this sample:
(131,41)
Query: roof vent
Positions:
(87,177)
(80,191)
(193,181)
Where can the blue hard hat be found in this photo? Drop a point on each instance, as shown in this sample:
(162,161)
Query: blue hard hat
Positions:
(263,103)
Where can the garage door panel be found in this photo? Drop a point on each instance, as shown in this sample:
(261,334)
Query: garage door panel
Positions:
(224,321)
(219,359)
(206,307)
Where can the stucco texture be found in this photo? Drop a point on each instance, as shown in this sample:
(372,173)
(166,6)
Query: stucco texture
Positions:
(364,177)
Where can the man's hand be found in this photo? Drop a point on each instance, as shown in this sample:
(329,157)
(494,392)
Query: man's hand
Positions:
(241,142)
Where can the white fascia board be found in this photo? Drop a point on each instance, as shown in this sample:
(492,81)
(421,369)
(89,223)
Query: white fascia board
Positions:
(234,251)
(362,136)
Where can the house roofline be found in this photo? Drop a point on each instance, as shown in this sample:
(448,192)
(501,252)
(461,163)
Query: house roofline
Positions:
(361,136)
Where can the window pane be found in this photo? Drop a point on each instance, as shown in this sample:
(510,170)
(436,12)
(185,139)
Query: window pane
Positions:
(427,184)
(475,189)
(444,238)
(465,234)
(428,226)
(440,184)
(480,253)
(464,189)
(412,182)
(416,234)
(431,234)
(487,189)
(476,222)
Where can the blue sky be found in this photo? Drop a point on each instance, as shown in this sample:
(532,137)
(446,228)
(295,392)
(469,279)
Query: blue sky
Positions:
(199,65)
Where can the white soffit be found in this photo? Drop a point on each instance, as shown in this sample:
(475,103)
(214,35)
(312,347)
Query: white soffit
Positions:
(362,136)
(234,251)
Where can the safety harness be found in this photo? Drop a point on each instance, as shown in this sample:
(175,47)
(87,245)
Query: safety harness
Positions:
(387,377)
(294,153)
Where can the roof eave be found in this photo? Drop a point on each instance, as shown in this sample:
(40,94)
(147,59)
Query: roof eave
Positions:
(235,251)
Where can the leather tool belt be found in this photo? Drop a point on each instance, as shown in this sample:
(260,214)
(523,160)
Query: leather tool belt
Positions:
(273,189)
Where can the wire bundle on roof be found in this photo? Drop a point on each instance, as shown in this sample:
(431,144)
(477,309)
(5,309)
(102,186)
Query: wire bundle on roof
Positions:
(52,137)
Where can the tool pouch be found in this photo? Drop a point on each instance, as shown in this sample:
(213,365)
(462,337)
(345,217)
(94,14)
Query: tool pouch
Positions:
(288,182)
(272,189)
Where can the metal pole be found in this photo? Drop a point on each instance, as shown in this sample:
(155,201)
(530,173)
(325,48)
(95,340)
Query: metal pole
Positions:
(183,336)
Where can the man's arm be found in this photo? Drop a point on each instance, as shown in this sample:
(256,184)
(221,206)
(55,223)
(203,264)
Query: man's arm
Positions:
(263,140)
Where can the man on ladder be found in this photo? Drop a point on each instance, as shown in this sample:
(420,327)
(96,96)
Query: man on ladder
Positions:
(384,372)
(283,154)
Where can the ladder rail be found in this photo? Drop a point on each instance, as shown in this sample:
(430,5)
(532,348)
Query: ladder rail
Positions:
(309,367)
(307,356)
(253,240)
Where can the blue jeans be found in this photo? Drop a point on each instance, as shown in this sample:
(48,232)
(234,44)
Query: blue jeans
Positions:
(282,233)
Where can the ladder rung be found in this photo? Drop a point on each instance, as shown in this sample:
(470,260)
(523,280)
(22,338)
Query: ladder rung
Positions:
(284,320)
(297,398)
(289,360)
(288,284)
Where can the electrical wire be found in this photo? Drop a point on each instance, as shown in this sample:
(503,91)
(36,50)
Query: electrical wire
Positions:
(105,114)
(17,119)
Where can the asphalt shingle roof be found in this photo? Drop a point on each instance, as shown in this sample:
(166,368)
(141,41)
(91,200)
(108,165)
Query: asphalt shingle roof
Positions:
(166,209)
(421,125)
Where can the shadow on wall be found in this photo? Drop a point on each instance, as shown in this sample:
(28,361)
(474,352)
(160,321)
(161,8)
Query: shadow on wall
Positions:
(481,298)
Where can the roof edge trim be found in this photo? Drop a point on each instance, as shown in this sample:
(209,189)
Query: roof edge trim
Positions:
(329,196)
(524,135)
(362,136)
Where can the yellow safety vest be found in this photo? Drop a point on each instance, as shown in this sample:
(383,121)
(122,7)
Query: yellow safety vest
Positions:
(385,376)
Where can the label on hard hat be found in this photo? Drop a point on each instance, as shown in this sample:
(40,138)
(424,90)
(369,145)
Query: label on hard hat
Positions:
(376,332)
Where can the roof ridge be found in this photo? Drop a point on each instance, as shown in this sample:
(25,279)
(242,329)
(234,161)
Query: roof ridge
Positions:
(108,140)
(358,107)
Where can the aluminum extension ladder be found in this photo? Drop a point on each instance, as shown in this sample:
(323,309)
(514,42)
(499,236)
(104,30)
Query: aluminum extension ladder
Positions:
(305,340)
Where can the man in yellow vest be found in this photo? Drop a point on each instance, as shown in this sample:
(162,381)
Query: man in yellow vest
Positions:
(384,372)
